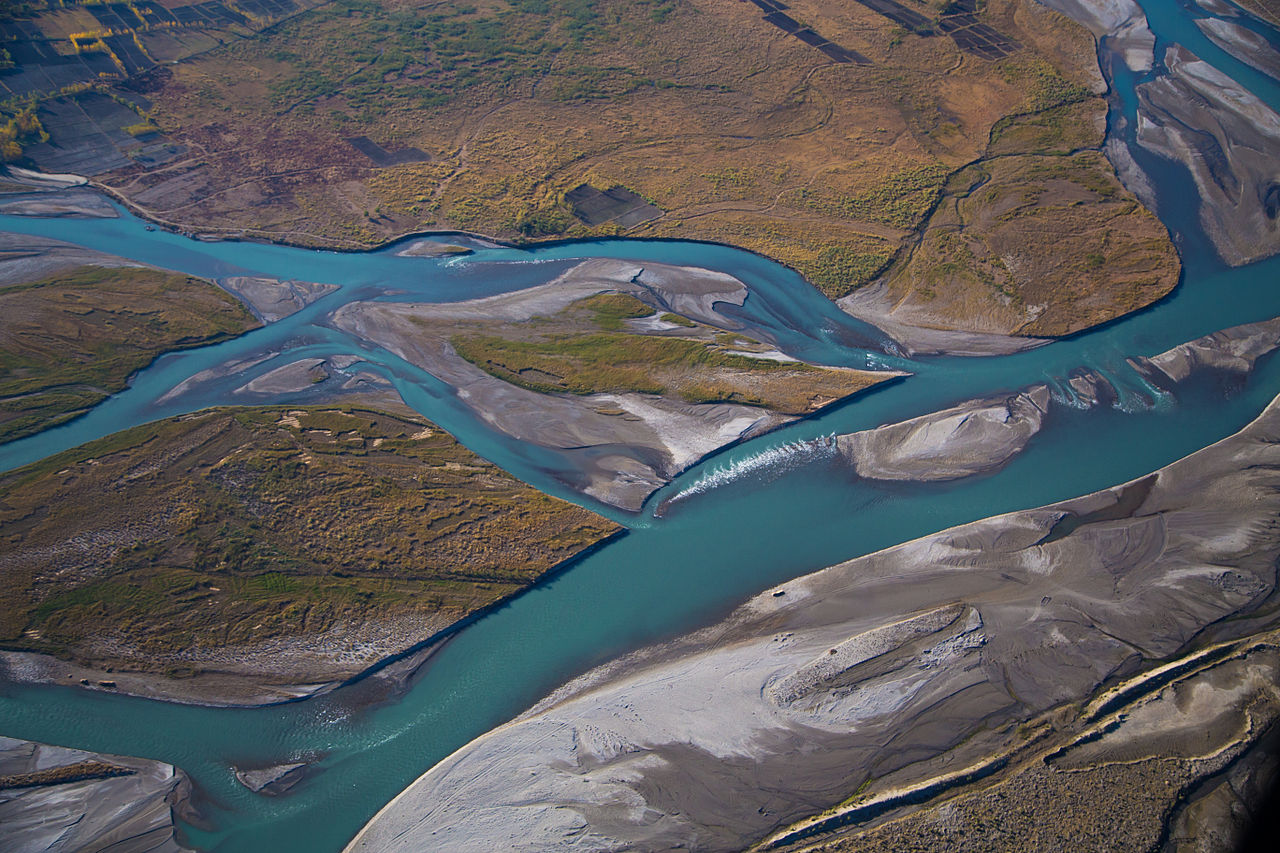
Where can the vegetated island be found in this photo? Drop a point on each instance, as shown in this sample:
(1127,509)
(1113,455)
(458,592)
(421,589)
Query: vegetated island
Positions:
(1066,675)
(70,339)
(630,372)
(945,148)
(241,556)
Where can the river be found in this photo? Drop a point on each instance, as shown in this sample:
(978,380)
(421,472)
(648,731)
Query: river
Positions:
(752,516)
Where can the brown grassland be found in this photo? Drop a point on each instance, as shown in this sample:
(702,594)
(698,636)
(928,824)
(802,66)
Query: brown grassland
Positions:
(740,133)
(1036,245)
(68,341)
(232,527)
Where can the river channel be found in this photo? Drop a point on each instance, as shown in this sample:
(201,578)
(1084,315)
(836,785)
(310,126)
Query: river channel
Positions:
(754,515)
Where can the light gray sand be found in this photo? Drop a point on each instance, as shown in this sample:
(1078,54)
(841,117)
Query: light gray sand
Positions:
(900,667)
(271,299)
(75,203)
(121,814)
(272,781)
(980,436)
(1235,350)
(972,438)
(1227,138)
(1242,43)
(24,258)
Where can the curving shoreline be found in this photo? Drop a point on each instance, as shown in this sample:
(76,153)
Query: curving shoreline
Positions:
(692,743)
(383,248)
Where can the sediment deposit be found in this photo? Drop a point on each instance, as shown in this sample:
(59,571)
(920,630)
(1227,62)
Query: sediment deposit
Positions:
(57,800)
(904,675)
(1242,43)
(272,299)
(625,445)
(1227,137)
(971,438)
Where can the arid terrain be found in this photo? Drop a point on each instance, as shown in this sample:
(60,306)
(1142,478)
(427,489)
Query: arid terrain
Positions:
(824,136)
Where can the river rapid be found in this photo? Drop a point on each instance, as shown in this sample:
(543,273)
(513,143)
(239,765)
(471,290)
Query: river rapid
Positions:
(744,519)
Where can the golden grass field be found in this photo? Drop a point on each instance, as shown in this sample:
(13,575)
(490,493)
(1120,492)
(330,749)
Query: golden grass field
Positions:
(737,131)
(68,341)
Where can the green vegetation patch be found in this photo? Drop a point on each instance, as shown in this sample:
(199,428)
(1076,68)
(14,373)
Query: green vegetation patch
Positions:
(1059,130)
(839,269)
(235,526)
(1045,245)
(599,363)
(69,340)
(379,57)
(21,127)
(902,199)
(610,309)
(556,355)
(1045,88)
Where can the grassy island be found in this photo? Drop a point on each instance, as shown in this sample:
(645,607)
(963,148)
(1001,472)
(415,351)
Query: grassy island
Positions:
(68,341)
(157,548)
(588,349)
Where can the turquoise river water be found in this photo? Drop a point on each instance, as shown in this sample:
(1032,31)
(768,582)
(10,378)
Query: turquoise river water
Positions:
(752,516)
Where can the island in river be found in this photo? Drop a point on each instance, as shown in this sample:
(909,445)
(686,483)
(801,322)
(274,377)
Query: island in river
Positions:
(241,556)
(976,198)
(1061,677)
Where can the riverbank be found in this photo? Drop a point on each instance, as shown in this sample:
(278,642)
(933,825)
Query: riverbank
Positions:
(58,800)
(695,742)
